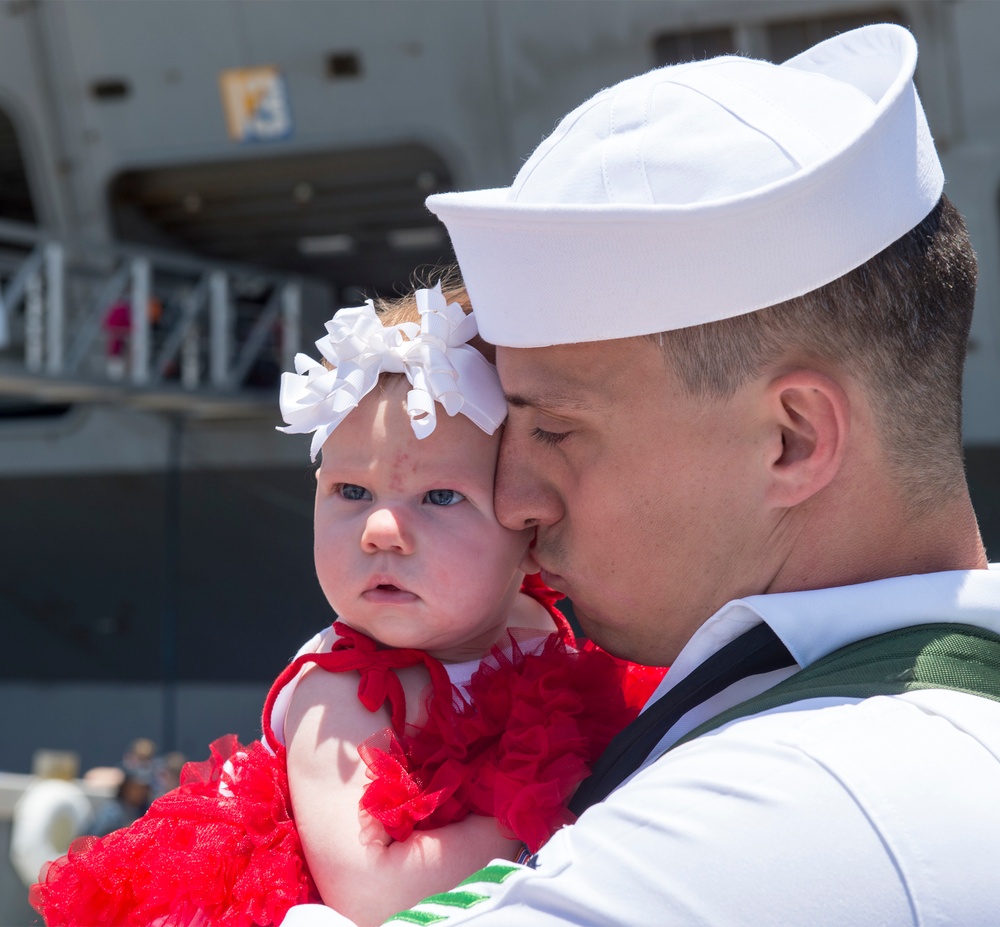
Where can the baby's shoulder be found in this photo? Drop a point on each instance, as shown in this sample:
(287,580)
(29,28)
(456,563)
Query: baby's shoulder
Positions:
(357,682)
(307,686)
(327,704)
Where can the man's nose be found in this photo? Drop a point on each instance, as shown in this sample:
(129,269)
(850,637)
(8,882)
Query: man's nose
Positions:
(386,530)
(523,497)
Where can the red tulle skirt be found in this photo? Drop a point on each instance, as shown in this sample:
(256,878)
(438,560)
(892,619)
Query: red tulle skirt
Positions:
(515,748)
(222,849)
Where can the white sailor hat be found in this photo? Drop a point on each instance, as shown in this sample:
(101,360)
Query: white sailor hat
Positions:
(701,191)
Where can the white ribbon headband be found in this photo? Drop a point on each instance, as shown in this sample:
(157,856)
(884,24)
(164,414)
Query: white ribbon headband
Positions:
(434,356)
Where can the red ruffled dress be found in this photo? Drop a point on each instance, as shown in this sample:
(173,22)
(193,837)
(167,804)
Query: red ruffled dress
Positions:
(511,742)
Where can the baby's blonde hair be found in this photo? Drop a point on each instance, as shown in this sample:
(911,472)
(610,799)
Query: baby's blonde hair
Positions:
(404,309)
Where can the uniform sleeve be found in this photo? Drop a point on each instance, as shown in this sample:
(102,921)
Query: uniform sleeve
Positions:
(823,813)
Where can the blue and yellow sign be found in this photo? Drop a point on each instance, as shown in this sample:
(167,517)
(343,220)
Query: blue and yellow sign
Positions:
(256,104)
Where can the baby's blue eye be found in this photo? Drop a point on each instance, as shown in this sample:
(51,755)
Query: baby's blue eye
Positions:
(354,493)
(443,497)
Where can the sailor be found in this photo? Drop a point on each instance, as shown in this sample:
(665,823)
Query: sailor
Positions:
(731,307)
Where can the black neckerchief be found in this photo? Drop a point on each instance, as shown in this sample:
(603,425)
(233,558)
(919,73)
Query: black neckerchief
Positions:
(755,651)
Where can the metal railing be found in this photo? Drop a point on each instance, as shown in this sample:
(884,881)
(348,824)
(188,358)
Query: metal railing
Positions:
(148,320)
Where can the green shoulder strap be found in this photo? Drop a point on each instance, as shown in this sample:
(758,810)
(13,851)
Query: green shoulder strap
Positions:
(959,657)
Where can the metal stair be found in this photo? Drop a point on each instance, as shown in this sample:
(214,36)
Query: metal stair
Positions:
(211,341)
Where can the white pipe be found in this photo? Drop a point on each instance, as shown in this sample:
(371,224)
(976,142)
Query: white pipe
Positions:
(34,324)
(291,324)
(55,308)
(219,334)
(190,361)
(139,299)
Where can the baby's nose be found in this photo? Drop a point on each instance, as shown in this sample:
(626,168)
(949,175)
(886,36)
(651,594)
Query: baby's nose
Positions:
(385,531)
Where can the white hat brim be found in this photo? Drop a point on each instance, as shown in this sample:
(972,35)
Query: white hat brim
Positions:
(561,272)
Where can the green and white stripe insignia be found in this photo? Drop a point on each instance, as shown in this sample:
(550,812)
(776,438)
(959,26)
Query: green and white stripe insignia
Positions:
(448,905)
(494,873)
(415,916)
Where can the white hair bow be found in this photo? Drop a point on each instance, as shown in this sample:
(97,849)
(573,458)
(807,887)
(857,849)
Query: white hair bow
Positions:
(434,356)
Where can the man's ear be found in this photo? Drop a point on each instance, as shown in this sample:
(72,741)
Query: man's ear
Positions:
(809,419)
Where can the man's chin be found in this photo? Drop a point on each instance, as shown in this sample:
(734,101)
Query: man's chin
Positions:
(592,629)
(616,643)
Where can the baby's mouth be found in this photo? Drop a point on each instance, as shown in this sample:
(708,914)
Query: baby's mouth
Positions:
(388,593)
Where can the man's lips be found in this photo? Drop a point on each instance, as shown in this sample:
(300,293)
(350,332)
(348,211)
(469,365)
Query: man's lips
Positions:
(552,580)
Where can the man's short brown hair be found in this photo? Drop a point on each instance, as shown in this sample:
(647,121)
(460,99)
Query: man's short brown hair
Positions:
(899,324)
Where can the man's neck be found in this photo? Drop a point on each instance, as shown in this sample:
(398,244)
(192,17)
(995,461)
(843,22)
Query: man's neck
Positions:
(884,541)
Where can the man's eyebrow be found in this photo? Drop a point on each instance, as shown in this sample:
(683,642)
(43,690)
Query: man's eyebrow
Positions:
(551,402)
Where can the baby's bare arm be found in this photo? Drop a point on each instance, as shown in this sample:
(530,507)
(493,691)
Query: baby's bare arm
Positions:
(358,869)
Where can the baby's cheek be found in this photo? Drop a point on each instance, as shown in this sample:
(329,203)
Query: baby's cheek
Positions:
(499,550)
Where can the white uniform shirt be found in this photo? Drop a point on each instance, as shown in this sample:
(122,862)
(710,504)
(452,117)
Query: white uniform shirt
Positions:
(881,812)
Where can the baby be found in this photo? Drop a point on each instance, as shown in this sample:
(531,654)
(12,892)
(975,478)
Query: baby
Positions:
(442,721)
